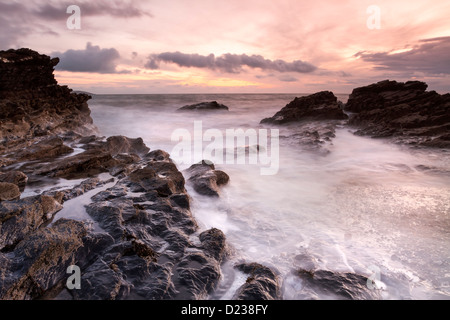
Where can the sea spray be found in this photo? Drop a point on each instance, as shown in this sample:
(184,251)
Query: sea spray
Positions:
(228,148)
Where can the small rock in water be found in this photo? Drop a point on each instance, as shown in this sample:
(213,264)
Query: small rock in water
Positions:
(204,106)
(263,283)
(205,179)
(350,286)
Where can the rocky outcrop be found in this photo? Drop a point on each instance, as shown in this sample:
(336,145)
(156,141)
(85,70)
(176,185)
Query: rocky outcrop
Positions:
(153,255)
(205,106)
(141,241)
(147,247)
(405,112)
(312,121)
(262,284)
(33,105)
(323,105)
(205,179)
(337,285)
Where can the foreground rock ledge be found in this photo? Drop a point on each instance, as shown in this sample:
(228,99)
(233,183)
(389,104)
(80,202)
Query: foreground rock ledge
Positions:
(147,246)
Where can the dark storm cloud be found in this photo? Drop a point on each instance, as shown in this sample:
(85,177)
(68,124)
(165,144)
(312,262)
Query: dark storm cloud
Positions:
(118,9)
(91,59)
(230,63)
(430,56)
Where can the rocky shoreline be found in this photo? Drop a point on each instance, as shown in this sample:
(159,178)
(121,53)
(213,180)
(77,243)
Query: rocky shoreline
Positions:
(404,112)
(141,240)
(149,247)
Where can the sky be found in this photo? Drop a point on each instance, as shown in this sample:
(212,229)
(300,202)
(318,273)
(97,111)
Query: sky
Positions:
(234,46)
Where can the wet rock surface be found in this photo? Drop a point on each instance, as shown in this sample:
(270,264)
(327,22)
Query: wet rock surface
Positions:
(141,240)
(323,105)
(337,285)
(310,121)
(204,106)
(205,179)
(39,262)
(147,247)
(15,177)
(146,243)
(154,255)
(262,283)
(20,217)
(33,105)
(405,112)
(9,191)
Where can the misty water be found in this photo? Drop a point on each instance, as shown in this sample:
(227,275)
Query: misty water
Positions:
(367,206)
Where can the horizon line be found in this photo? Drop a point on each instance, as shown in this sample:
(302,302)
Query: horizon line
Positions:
(204,93)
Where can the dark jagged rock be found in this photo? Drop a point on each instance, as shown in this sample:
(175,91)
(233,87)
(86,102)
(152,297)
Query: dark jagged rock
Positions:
(15,177)
(311,121)
(144,246)
(404,111)
(262,284)
(204,106)
(158,155)
(78,190)
(39,262)
(318,106)
(48,148)
(153,256)
(33,105)
(114,156)
(20,217)
(9,191)
(198,274)
(86,164)
(214,242)
(341,285)
(145,252)
(376,95)
(205,179)
(120,144)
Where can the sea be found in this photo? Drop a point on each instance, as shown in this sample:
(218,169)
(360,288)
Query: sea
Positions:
(364,206)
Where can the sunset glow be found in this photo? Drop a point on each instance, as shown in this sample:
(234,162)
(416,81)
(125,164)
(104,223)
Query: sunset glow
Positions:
(209,46)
